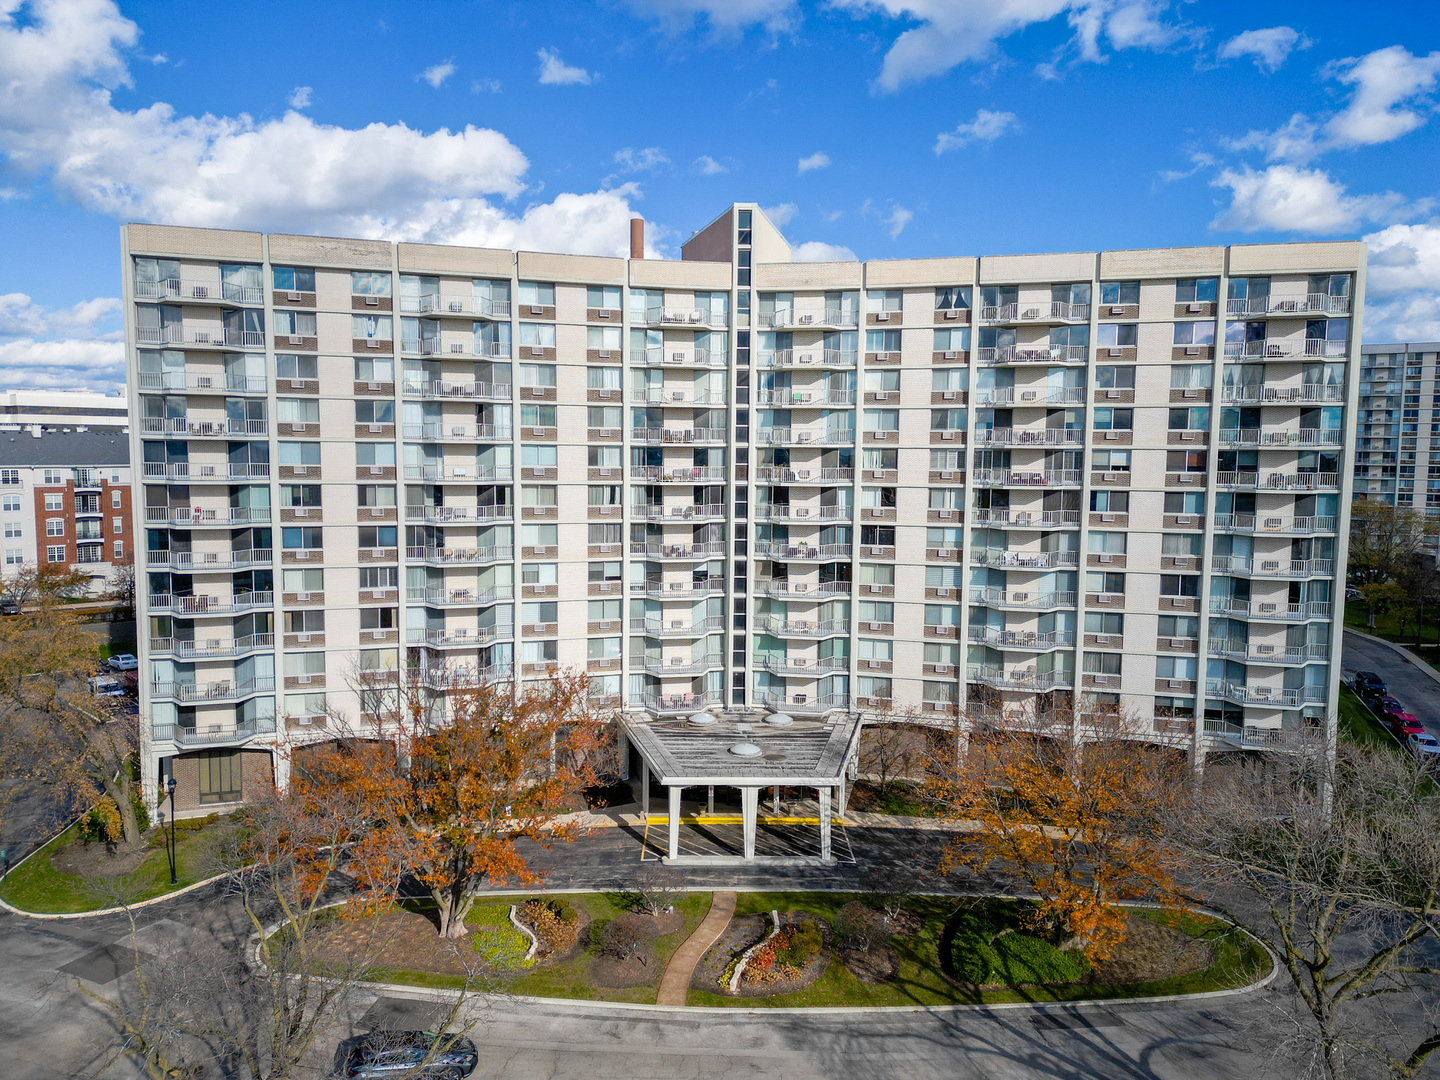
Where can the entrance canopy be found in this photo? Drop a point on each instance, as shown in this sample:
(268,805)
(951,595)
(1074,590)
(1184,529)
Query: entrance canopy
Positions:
(749,753)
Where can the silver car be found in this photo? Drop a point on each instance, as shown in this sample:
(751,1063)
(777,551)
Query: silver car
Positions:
(401,1055)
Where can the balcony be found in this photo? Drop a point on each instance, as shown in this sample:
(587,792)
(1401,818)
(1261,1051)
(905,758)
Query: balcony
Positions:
(803,666)
(786,512)
(1261,437)
(449,515)
(215,691)
(1311,304)
(802,590)
(803,399)
(999,598)
(769,624)
(696,318)
(459,597)
(1025,519)
(1020,639)
(769,549)
(1027,477)
(706,358)
(433,304)
(211,647)
(208,605)
(1029,437)
(1275,568)
(1273,696)
(1303,481)
(195,472)
(668,704)
(467,474)
(681,398)
(661,512)
(446,637)
(209,560)
(216,336)
(441,389)
(1261,394)
(809,358)
(694,437)
(677,628)
(1252,523)
(655,549)
(457,556)
(213,734)
(217,382)
(1018,678)
(1249,652)
(770,474)
(205,517)
(1038,353)
(803,704)
(1270,610)
(457,433)
(1025,560)
(700,474)
(180,427)
(677,665)
(787,319)
(208,292)
(678,590)
(1284,348)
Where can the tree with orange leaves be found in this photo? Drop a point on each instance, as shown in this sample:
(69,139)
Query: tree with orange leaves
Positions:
(501,767)
(1077,818)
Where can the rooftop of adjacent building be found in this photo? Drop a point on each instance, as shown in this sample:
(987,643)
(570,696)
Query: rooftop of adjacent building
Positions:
(1386,347)
(63,449)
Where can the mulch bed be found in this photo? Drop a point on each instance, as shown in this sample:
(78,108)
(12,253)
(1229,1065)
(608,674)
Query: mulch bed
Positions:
(879,964)
(642,970)
(410,941)
(1153,951)
(95,860)
(747,930)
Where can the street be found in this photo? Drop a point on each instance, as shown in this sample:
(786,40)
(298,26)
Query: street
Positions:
(1404,676)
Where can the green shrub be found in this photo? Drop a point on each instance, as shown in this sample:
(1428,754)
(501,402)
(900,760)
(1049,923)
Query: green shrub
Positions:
(802,945)
(859,927)
(563,910)
(971,956)
(101,824)
(1013,959)
(142,812)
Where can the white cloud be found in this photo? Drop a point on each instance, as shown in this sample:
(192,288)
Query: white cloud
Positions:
(485,86)
(1385,81)
(1285,198)
(555,72)
(782,215)
(436,74)
(724,16)
(1295,141)
(1402,283)
(817,160)
(300,97)
(819,251)
(1269,47)
(898,219)
(68,348)
(631,160)
(706,165)
(986,127)
(953,33)
(58,123)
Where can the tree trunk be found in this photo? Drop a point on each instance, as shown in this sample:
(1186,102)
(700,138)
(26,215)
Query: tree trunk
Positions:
(453,902)
(120,789)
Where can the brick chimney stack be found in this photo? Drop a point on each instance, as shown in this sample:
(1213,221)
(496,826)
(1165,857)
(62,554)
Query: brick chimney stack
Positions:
(637,238)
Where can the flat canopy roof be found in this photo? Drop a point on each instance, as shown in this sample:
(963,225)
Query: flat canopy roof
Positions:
(683,753)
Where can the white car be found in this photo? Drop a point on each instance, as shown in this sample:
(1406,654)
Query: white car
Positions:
(1424,745)
(123,662)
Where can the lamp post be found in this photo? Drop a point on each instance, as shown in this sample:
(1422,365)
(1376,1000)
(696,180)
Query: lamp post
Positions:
(170,790)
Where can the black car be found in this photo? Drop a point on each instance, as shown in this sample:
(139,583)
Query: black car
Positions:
(1368,685)
(383,1055)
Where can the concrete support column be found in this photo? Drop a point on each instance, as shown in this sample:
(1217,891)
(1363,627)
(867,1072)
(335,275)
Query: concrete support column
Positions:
(675,821)
(775,798)
(644,788)
(622,752)
(824,793)
(749,811)
(840,792)
(281,758)
(710,800)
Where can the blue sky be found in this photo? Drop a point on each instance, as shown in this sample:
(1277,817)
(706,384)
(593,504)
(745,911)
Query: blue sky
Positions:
(882,128)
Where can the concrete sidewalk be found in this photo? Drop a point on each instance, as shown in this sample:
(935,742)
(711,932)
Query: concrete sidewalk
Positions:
(675,983)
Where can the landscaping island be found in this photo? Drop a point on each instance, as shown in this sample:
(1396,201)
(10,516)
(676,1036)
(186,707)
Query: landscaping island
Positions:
(831,949)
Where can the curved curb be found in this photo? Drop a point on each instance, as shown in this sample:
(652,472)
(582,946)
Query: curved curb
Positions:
(1404,653)
(45,915)
(534,941)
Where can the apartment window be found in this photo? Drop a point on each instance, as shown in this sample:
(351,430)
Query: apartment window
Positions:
(600,572)
(306,538)
(379,577)
(306,496)
(1180,585)
(55,553)
(602,648)
(117,500)
(375,495)
(877,574)
(295,323)
(1184,502)
(373,453)
(537,415)
(537,336)
(602,296)
(295,279)
(1183,545)
(542,612)
(1179,626)
(956,339)
(1100,663)
(54,476)
(1191,376)
(1107,543)
(943,537)
(1114,419)
(1119,292)
(1114,377)
(305,621)
(538,495)
(539,535)
(220,772)
(1197,290)
(937,693)
(1193,419)
(536,294)
(12,530)
(876,611)
(377,618)
(297,410)
(953,298)
(1110,460)
(311,579)
(604,495)
(882,341)
(1110,502)
(373,411)
(944,577)
(1104,581)
(882,419)
(54,526)
(372,327)
(291,366)
(1194,333)
(878,300)
(11,503)
(53,501)
(534,456)
(370,283)
(14,556)
(603,378)
(374,370)
(603,338)
(376,536)
(947,419)
(1175,667)
(603,610)
(10,477)
(1116,335)
(1104,622)
(945,498)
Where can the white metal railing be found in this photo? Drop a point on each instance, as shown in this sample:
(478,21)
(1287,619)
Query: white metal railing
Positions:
(1261,437)
(661,550)
(440,388)
(447,555)
(770,624)
(1025,560)
(660,512)
(1029,437)
(686,475)
(201,515)
(1020,639)
(1251,652)
(769,549)
(804,590)
(803,666)
(675,703)
(1038,353)
(993,596)
(212,646)
(651,435)
(195,382)
(210,560)
(803,704)
(1262,394)
(209,605)
(677,627)
(1253,695)
(1318,523)
(1027,477)
(205,291)
(678,589)
(1017,678)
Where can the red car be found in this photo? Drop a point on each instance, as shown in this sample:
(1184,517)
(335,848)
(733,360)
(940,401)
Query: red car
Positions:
(1405,724)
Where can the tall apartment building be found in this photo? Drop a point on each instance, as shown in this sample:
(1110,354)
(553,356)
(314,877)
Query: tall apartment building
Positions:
(735,482)
(1397,447)
(58,410)
(65,500)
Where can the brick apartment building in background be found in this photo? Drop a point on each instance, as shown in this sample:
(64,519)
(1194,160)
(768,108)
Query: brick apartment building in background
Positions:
(65,499)
(1028,486)
(1397,447)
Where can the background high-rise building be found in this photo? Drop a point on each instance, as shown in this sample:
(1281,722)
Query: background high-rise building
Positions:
(1397,445)
(1023,485)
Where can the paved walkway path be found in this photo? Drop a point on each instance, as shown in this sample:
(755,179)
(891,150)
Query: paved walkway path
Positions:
(675,983)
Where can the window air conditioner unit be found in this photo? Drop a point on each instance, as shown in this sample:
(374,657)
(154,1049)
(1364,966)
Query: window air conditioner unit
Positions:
(1192,350)
(293,297)
(372,301)
(1107,517)
(951,313)
(537,309)
(882,316)
(303,639)
(1104,558)
(295,339)
(1028,395)
(951,354)
(876,625)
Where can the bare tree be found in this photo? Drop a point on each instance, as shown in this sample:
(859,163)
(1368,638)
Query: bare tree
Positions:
(1341,856)
(892,750)
(1382,537)
(120,591)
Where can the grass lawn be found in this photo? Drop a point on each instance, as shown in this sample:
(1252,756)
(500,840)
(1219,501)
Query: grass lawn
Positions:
(570,979)
(36,886)
(1359,725)
(899,798)
(1238,960)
